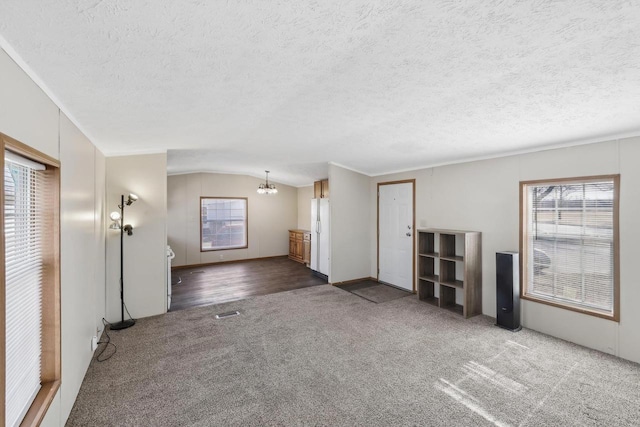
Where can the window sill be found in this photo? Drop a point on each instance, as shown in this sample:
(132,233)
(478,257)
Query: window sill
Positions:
(224,249)
(607,316)
(41,404)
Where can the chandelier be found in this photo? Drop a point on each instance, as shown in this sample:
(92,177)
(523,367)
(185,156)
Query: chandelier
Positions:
(267,188)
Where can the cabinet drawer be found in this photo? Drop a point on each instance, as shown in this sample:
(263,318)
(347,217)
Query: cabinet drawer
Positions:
(292,235)
(307,236)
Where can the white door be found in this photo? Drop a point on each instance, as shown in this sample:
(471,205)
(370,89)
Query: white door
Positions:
(395,241)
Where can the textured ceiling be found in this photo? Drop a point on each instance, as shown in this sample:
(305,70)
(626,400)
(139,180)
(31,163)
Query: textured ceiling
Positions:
(376,86)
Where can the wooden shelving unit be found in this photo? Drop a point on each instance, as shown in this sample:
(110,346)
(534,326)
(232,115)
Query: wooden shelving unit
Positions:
(450,270)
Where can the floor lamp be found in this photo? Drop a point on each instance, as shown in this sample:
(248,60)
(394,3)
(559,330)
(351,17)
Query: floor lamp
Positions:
(118,221)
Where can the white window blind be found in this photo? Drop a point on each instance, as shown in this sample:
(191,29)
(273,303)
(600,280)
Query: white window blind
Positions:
(224,223)
(570,243)
(24,194)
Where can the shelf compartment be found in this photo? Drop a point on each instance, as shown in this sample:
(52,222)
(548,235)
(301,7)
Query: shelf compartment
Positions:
(448,245)
(426,291)
(456,308)
(453,258)
(447,296)
(427,267)
(453,284)
(427,244)
(432,278)
(448,271)
(430,254)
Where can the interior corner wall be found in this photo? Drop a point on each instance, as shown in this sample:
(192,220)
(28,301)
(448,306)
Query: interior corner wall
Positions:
(484,196)
(270,216)
(100,220)
(81,241)
(350,239)
(145,258)
(28,115)
(305,195)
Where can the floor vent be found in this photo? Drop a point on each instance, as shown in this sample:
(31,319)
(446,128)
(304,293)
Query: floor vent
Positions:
(227,314)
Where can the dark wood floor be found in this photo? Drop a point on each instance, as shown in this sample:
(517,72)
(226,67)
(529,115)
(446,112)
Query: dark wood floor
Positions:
(220,283)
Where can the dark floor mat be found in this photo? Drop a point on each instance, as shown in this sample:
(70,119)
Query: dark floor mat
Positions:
(375,292)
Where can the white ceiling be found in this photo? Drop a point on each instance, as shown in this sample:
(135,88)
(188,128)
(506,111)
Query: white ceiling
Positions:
(376,86)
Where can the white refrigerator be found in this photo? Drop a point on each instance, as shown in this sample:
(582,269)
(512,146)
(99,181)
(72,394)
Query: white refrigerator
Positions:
(320,227)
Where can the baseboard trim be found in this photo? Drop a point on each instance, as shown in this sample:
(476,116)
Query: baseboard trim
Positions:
(206,264)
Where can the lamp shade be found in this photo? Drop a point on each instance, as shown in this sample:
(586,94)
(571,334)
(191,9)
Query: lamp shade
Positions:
(131,198)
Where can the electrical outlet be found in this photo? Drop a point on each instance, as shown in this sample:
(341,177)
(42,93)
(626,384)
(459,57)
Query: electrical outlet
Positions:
(94,343)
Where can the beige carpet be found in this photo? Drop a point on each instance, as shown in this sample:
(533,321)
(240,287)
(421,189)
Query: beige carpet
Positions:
(323,356)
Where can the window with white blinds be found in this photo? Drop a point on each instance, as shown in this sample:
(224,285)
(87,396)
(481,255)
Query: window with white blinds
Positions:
(223,223)
(24,199)
(569,237)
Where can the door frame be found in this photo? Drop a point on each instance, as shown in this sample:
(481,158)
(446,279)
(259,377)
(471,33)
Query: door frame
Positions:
(413,229)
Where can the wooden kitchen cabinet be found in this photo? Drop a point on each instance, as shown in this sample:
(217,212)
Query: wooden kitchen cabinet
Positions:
(306,247)
(321,189)
(300,245)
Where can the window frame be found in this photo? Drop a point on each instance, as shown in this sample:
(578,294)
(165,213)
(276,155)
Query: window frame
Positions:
(524,268)
(51,326)
(246,222)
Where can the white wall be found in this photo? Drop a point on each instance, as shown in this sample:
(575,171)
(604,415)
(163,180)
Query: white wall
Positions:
(145,258)
(177,218)
(26,113)
(270,216)
(29,116)
(351,240)
(305,195)
(629,333)
(483,196)
(80,241)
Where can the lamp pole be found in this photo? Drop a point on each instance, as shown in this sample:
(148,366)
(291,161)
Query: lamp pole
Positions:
(123,324)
